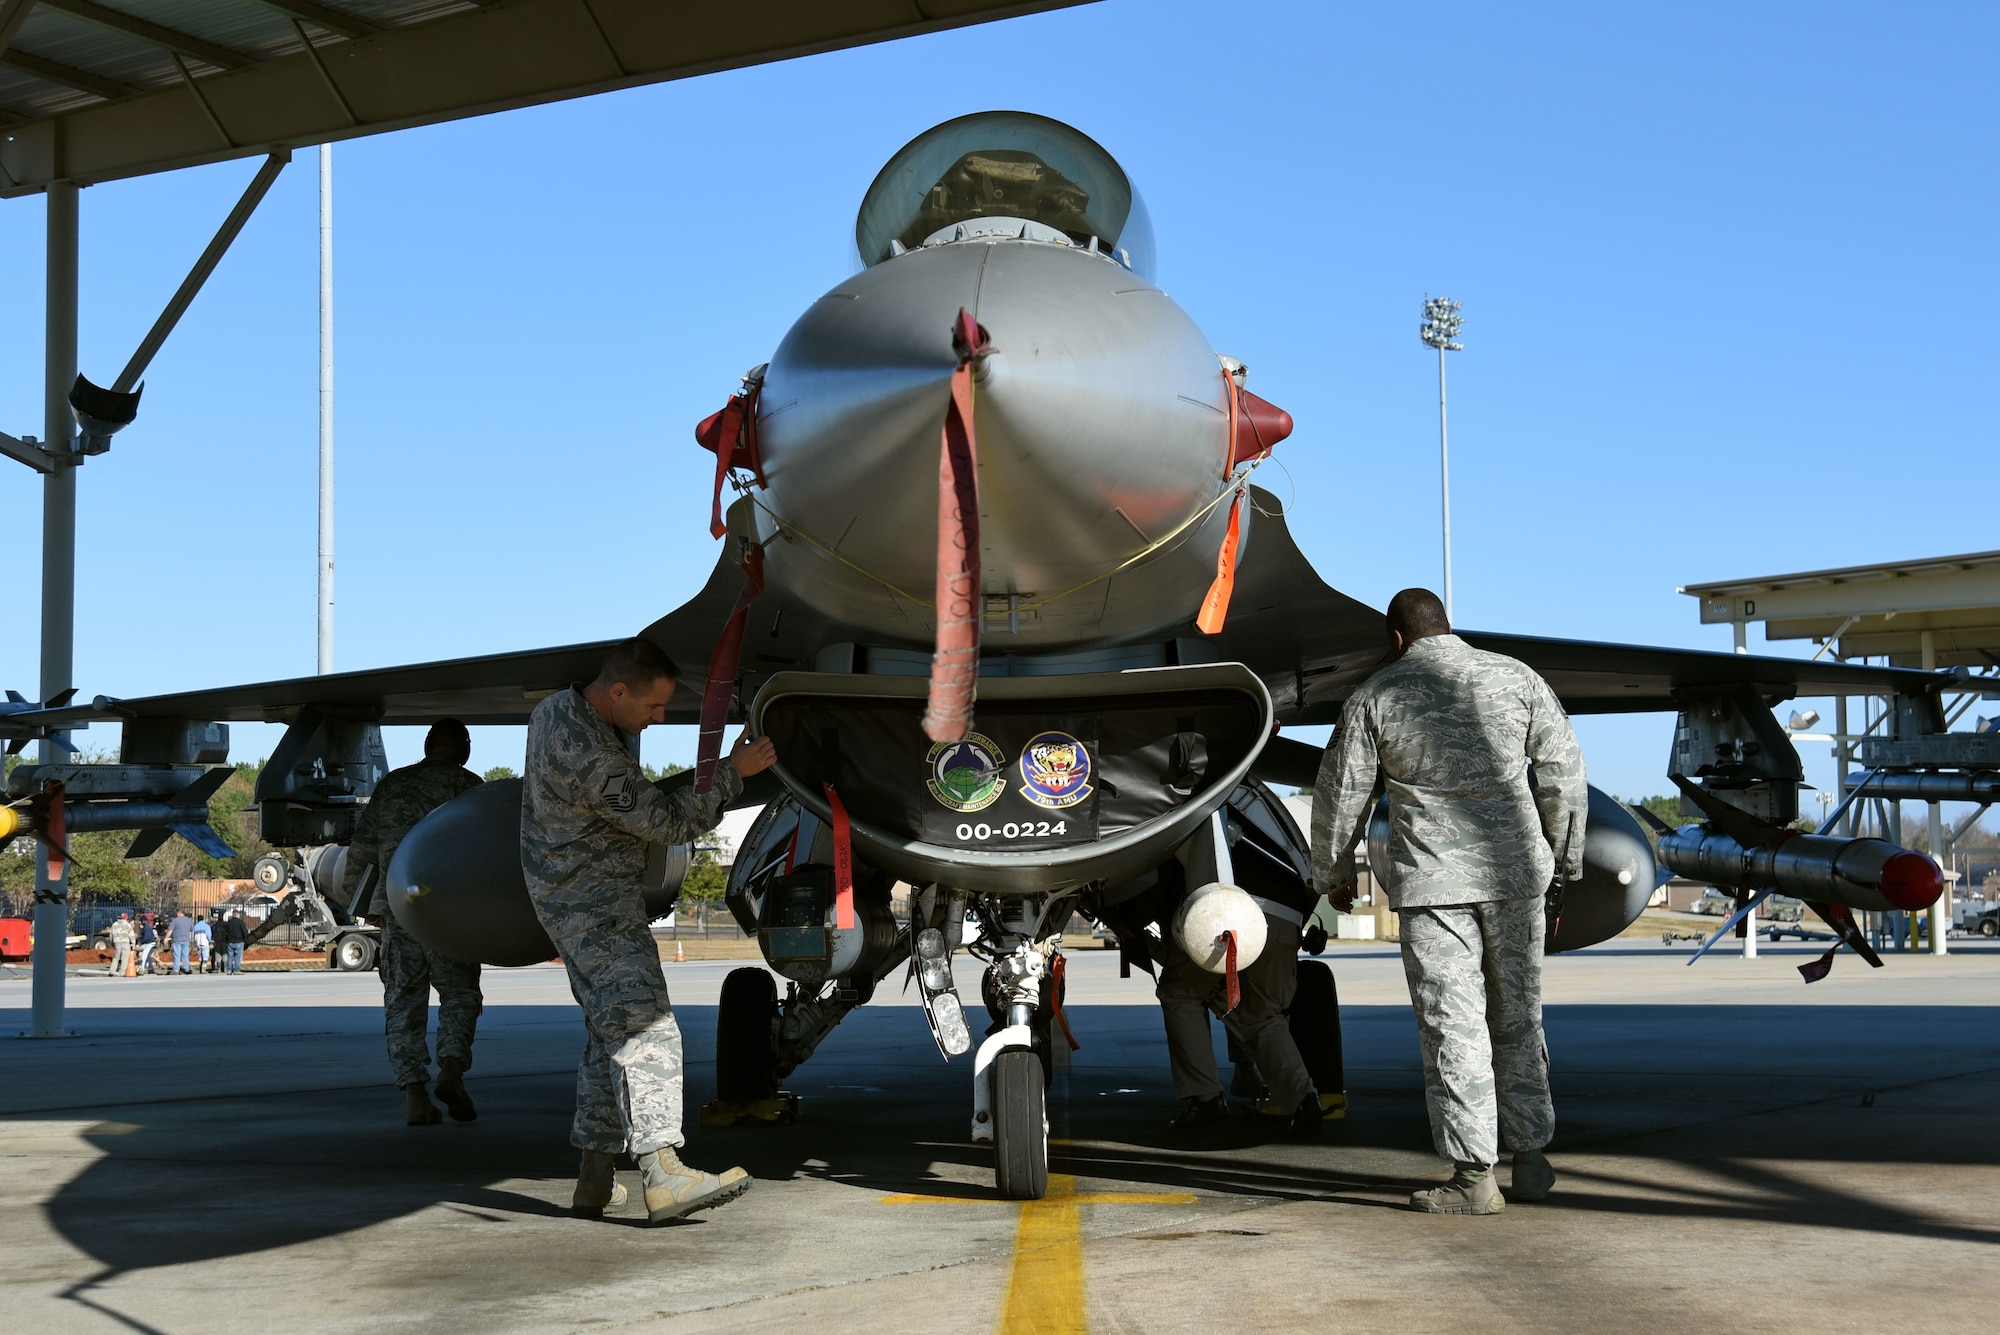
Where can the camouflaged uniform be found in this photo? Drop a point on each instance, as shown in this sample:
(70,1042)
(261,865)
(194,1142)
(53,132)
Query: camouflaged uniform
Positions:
(588,815)
(1449,732)
(410,969)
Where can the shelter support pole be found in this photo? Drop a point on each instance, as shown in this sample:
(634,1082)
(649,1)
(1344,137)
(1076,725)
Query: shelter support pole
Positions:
(225,236)
(51,920)
(1938,836)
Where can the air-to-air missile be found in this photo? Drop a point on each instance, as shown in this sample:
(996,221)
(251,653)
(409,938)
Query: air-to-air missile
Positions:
(1868,874)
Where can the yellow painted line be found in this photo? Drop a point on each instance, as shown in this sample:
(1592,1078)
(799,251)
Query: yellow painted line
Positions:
(1045,1290)
(1080,1198)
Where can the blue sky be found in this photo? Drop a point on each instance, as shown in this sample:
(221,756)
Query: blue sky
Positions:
(1723,268)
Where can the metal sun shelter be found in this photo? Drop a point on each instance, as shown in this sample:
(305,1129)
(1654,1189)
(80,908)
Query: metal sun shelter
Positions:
(102,90)
(1940,612)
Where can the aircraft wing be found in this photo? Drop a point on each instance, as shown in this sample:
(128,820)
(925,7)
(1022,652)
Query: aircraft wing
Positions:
(1313,645)
(489,689)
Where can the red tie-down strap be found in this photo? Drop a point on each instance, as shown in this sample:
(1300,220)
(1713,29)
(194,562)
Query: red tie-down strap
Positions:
(1057,967)
(843,862)
(732,436)
(1215,607)
(722,665)
(955,664)
(1232,987)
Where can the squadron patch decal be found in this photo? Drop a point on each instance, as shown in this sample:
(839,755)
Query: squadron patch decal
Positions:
(967,775)
(1055,771)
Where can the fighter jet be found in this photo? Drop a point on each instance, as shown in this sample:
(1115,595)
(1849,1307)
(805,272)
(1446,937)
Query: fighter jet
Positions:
(997,576)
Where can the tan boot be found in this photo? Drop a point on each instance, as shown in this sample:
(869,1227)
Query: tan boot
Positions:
(451,1089)
(1471,1190)
(422,1112)
(598,1191)
(675,1191)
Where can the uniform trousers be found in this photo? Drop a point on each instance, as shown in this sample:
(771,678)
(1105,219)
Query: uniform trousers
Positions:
(1475,975)
(410,969)
(1187,992)
(629,1083)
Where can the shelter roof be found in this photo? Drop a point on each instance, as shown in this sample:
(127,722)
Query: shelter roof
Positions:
(1875,610)
(97,90)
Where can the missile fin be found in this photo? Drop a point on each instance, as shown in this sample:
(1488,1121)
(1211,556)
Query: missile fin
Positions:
(60,698)
(202,789)
(1744,828)
(148,841)
(17,698)
(205,838)
(18,745)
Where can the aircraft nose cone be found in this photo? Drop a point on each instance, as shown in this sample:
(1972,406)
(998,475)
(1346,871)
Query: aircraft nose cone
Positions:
(1102,420)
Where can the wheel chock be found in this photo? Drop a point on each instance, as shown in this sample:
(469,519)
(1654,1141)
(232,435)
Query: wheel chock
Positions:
(780,1111)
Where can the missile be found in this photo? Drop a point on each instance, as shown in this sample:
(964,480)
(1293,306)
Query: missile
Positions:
(1869,874)
(1982,786)
(456,885)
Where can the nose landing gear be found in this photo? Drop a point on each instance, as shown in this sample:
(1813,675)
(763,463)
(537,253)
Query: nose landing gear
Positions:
(1010,1074)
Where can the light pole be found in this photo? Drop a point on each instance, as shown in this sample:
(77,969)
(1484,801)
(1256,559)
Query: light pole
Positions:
(1441,325)
(326,408)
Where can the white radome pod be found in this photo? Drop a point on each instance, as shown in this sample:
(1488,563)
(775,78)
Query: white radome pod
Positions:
(1209,912)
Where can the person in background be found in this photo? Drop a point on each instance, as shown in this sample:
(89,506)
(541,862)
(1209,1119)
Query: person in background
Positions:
(236,935)
(149,941)
(122,937)
(203,942)
(180,935)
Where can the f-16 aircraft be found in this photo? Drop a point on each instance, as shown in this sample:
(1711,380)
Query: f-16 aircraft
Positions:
(999,581)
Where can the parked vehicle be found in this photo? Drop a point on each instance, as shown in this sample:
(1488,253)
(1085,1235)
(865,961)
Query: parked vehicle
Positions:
(1988,923)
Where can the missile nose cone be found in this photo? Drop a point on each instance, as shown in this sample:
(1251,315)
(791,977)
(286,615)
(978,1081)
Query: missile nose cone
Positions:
(1260,425)
(1911,881)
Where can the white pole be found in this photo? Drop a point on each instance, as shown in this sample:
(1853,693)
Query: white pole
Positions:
(1444,469)
(326,407)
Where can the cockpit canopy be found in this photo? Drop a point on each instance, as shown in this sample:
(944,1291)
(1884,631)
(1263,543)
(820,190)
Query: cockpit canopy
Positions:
(1005,164)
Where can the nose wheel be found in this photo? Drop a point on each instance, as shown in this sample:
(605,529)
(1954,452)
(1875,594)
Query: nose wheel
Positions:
(1020,1126)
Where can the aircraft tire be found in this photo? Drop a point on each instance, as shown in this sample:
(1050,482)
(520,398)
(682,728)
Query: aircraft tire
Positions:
(746,1055)
(1020,1126)
(1315,1026)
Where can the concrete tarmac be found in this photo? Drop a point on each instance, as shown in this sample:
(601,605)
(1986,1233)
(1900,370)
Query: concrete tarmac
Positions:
(1737,1151)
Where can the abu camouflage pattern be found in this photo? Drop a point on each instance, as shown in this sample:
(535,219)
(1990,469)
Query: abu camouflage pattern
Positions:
(1475,975)
(404,797)
(1450,730)
(588,815)
(409,968)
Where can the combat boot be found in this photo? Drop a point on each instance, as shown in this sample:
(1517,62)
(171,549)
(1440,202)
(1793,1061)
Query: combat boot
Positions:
(598,1190)
(1307,1117)
(1532,1176)
(422,1111)
(1471,1190)
(451,1089)
(675,1191)
(1199,1113)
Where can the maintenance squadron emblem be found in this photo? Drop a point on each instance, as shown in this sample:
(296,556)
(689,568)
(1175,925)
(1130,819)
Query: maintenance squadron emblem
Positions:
(966,774)
(1055,771)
